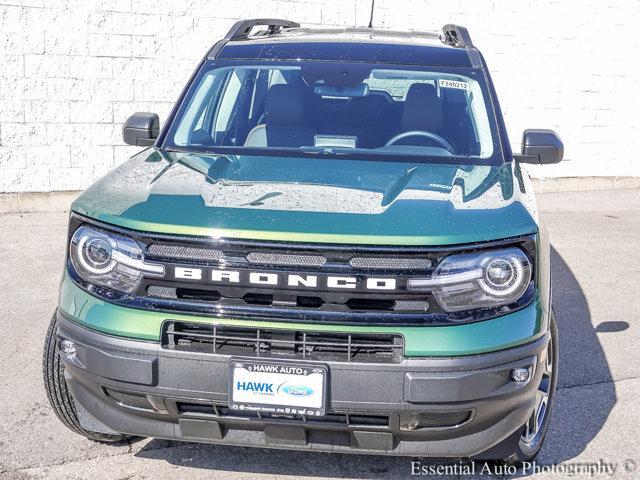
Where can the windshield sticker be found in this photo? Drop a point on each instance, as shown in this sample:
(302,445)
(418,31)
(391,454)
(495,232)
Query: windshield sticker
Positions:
(453,84)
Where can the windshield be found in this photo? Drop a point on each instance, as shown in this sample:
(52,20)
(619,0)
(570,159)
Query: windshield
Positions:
(336,108)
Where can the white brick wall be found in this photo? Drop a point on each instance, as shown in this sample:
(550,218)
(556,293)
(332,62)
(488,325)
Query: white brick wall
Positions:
(71,71)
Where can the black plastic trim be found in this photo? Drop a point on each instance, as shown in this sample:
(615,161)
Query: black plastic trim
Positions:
(498,408)
(242,28)
(456,36)
(141,129)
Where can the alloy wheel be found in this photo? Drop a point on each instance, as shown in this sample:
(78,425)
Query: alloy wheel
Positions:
(536,421)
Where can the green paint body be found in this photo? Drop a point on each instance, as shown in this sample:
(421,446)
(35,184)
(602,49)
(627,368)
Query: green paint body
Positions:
(311,199)
(318,200)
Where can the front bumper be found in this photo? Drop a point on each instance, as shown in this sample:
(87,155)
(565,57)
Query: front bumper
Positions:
(469,404)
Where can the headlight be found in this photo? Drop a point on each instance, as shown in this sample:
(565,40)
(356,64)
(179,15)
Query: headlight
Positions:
(109,260)
(477,280)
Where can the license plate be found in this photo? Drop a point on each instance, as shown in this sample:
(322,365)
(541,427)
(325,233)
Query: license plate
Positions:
(277,387)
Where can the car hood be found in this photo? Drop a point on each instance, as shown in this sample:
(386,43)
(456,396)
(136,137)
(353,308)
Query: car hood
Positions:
(312,199)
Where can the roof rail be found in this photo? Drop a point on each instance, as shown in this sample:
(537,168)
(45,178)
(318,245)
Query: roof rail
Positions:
(369,31)
(456,36)
(242,28)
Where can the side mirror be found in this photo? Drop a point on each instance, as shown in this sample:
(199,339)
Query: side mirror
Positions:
(541,147)
(141,129)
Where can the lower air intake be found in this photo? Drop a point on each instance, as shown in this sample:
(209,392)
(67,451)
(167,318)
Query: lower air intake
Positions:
(270,343)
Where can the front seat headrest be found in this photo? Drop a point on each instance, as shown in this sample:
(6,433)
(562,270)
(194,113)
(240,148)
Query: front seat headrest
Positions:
(284,106)
(422,109)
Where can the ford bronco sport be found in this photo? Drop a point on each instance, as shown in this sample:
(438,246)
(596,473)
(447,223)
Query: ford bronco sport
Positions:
(328,246)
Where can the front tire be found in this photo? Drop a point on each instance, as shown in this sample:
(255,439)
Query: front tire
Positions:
(57,392)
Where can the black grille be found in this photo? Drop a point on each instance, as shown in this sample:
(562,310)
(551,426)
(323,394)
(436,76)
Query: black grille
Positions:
(269,343)
(354,420)
(321,302)
(301,290)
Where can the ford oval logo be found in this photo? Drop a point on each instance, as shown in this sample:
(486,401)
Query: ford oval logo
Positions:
(297,390)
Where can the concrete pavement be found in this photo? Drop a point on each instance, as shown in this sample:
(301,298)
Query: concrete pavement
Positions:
(596,274)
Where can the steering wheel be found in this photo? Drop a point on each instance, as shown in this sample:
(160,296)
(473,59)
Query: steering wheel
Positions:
(420,133)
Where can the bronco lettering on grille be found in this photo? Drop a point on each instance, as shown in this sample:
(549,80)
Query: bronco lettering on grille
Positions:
(273,279)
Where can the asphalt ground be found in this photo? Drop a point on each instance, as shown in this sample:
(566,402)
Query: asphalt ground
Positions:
(595,424)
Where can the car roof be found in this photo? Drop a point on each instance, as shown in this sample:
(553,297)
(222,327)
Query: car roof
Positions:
(345,45)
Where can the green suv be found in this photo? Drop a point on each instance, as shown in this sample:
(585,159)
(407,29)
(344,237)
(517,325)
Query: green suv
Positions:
(328,246)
